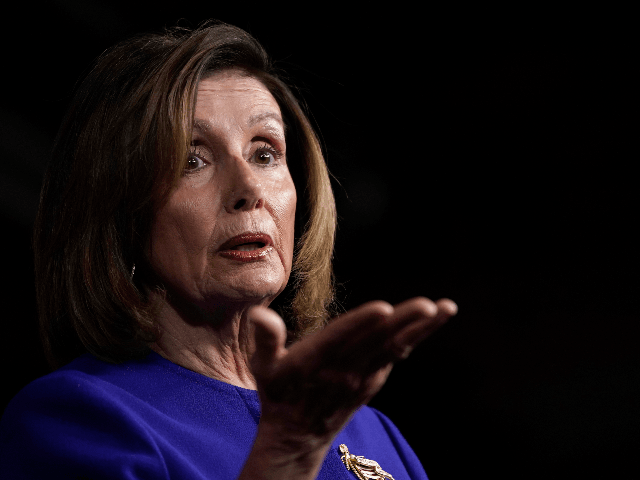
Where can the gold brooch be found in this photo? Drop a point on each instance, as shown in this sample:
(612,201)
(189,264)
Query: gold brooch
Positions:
(363,468)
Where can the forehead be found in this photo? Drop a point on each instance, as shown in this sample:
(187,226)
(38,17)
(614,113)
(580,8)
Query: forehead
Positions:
(231,91)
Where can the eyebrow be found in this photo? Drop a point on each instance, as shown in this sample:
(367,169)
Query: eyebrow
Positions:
(201,126)
(204,126)
(253,119)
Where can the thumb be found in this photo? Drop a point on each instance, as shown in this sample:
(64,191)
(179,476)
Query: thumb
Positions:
(270,335)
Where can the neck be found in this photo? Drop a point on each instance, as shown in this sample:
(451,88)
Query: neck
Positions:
(216,344)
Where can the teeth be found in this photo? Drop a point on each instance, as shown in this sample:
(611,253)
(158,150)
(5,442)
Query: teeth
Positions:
(248,246)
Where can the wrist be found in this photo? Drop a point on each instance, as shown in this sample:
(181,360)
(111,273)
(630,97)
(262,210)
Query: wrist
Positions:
(279,452)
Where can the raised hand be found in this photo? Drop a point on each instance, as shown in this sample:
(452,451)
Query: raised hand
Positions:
(310,390)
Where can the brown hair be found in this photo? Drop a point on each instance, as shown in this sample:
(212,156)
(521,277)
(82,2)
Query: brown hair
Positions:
(119,150)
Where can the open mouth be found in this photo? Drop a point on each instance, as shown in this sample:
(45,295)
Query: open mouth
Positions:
(247,247)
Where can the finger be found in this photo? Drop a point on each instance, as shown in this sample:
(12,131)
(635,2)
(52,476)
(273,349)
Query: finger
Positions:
(447,306)
(350,327)
(348,341)
(413,309)
(425,318)
(270,334)
(363,316)
(423,310)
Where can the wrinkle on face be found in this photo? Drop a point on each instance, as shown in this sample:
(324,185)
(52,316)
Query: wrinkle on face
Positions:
(202,316)
(233,113)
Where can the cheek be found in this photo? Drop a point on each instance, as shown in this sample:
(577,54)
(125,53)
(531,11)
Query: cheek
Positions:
(284,209)
(180,237)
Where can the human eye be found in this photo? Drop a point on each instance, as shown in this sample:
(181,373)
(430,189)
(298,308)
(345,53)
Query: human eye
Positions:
(267,155)
(196,160)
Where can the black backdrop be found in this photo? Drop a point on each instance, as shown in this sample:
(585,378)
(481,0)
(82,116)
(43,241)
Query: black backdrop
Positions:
(479,155)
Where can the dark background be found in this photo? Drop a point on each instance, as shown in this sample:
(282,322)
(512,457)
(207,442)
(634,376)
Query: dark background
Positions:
(479,155)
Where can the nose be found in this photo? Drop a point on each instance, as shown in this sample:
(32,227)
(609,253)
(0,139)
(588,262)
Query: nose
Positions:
(245,191)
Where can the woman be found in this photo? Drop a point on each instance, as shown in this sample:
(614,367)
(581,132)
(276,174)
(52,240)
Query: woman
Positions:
(186,186)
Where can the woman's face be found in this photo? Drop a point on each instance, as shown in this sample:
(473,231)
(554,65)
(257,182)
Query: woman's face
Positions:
(226,233)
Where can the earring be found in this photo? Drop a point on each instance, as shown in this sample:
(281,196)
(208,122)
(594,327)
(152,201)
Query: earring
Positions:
(133,271)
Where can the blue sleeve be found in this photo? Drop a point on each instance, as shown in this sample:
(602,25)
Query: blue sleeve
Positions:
(64,426)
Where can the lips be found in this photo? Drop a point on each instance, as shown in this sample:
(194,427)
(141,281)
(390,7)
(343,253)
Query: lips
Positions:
(247,247)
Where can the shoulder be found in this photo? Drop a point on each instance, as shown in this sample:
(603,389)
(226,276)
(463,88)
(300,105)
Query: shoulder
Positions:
(370,421)
(80,389)
(64,422)
(146,418)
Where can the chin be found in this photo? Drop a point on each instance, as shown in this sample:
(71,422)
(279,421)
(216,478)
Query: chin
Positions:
(254,287)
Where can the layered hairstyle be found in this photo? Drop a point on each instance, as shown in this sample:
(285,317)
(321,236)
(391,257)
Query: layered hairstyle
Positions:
(121,147)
